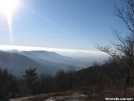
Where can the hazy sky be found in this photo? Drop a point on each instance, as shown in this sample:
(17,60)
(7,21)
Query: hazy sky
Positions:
(65,24)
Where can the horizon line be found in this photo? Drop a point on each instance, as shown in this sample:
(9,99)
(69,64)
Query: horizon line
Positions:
(30,48)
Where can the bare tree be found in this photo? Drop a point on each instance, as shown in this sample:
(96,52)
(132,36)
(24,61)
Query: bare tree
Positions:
(61,79)
(126,14)
(95,65)
(71,77)
(123,51)
(48,83)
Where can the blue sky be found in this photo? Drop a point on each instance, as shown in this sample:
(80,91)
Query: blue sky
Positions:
(65,24)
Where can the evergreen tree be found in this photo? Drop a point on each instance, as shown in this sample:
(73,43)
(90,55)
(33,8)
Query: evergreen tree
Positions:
(31,78)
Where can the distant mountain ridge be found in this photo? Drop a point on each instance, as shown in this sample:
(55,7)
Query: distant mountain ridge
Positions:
(19,63)
(57,58)
(44,61)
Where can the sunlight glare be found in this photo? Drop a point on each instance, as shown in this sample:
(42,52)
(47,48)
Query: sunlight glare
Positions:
(7,6)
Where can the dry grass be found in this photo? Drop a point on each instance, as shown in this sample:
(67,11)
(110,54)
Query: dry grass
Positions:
(108,92)
(58,96)
(41,97)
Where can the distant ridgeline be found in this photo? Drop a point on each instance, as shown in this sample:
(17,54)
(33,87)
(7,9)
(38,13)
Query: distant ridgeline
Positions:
(45,62)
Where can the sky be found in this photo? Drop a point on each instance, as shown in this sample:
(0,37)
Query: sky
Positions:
(61,24)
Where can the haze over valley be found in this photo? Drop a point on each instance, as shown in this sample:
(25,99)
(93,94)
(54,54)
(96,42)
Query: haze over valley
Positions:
(45,61)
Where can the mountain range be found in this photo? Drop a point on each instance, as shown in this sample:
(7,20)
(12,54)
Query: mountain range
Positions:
(45,61)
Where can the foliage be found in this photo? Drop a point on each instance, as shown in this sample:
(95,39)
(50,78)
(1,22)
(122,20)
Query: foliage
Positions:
(31,78)
(8,84)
